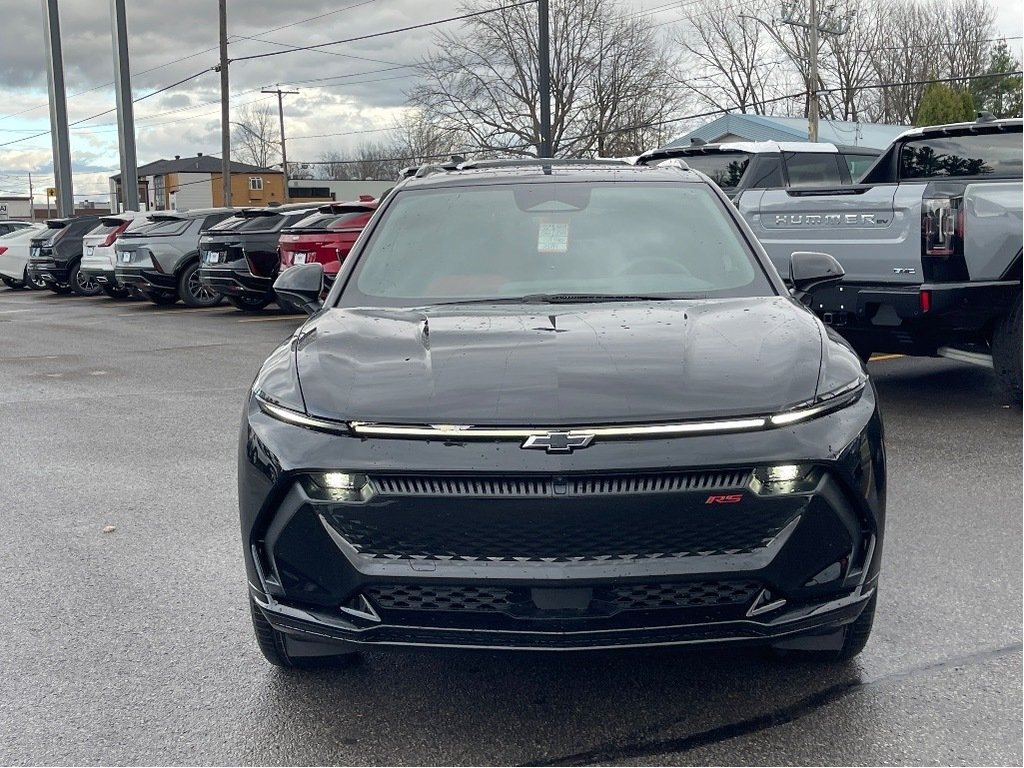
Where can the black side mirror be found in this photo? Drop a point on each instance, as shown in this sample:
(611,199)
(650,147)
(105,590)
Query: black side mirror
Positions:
(808,270)
(298,288)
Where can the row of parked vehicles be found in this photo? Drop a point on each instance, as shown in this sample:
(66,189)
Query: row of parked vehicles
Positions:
(199,257)
(928,233)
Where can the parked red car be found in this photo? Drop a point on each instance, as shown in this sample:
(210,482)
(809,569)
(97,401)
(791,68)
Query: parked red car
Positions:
(326,236)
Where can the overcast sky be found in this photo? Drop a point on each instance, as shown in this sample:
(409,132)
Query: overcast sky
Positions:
(170,41)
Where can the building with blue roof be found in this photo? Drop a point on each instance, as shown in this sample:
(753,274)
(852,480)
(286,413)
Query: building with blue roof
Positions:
(744,127)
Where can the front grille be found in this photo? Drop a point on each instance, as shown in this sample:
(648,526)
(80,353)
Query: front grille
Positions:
(413,597)
(517,601)
(635,597)
(528,487)
(558,535)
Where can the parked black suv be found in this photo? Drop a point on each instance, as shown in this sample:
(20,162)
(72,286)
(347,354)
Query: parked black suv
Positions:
(55,257)
(239,256)
(557,405)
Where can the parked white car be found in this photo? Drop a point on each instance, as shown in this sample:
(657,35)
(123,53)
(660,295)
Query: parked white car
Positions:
(98,249)
(14,248)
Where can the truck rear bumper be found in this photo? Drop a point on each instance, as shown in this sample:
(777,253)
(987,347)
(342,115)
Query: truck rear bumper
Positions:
(914,319)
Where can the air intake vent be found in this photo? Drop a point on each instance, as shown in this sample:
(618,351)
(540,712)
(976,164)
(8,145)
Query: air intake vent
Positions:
(527,487)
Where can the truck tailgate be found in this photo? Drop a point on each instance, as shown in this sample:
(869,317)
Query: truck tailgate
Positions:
(872,230)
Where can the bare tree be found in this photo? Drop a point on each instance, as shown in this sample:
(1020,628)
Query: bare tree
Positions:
(300,171)
(333,167)
(730,61)
(255,138)
(420,141)
(480,91)
(377,160)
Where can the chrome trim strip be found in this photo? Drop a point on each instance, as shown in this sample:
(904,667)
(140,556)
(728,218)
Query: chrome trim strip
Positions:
(469,432)
(289,416)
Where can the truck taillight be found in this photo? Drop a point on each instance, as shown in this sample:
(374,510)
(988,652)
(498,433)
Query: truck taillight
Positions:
(942,226)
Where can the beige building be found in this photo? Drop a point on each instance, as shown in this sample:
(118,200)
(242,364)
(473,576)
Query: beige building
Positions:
(195,182)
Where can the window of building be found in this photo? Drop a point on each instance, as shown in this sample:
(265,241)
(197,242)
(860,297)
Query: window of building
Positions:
(255,183)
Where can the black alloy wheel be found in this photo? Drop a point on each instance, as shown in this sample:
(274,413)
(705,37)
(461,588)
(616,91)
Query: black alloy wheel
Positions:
(10,282)
(249,303)
(33,283)
(193,292)
(81,283)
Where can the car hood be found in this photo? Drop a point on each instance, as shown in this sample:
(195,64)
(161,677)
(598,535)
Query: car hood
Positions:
(559,364)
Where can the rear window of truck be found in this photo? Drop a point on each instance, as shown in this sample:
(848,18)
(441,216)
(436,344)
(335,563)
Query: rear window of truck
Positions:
(982,154)
(724,168)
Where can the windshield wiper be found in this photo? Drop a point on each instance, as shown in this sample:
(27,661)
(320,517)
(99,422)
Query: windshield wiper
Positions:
(562,298)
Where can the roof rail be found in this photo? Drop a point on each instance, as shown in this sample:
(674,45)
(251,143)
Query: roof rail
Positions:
(538,161)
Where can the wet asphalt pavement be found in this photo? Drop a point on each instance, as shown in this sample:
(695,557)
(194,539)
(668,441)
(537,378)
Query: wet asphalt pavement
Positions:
(135,646)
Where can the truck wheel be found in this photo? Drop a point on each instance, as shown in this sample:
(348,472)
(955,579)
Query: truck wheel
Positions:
(82,284)
(1006,351)
(193,292)
(249,303)
(274,646)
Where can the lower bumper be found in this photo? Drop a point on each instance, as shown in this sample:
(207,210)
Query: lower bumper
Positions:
(234,283)
(917,318)
(49,270)
(145,279)
(822,618)
(100,275)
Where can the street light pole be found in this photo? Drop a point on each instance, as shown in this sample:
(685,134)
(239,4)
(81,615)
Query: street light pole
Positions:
(280,117)
(58,110)
(125,110)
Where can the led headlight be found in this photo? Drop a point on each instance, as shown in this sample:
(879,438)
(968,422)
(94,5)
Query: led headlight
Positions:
(783,478)
(298,418)
(822,404)
(338,486)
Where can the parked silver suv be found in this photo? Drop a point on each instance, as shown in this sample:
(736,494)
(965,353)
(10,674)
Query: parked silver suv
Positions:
(161,261)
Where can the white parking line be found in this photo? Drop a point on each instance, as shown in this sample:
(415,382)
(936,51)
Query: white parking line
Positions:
(293,318)
(143,312)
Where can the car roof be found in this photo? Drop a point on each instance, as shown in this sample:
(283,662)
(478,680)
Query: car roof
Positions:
(537,172)
(979,126)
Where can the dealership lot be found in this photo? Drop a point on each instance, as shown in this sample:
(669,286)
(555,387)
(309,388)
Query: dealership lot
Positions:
(135,645)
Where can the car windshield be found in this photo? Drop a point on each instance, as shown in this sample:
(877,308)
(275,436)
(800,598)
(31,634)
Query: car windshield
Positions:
(558,240)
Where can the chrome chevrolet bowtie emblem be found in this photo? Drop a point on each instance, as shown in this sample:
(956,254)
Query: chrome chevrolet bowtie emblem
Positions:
(558,442)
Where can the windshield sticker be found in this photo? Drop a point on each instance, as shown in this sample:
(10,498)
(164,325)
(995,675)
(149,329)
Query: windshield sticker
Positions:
(553,237)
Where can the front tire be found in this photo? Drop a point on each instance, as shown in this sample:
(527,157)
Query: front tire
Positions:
(193,292)
(855,637)
(1006,351)
(249,303)
(274,646)
(11,283)
(82,284)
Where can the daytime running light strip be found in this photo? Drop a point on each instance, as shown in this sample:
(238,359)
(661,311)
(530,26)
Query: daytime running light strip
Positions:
(830,402)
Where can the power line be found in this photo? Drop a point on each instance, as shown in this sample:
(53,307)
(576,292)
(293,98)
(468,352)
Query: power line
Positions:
(386,32)
(112,109)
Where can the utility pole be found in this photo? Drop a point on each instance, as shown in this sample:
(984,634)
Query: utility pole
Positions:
(280,116)
(31,200)
(544,77)
(125,111)
(58,110)
(791,16)
(225,112)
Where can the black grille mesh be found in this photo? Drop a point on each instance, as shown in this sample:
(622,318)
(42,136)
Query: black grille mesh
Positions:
(628,597)
(526,487)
